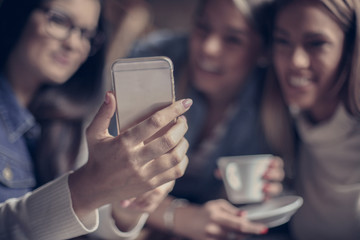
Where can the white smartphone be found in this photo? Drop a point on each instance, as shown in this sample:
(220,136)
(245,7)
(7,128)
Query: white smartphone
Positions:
(142,86)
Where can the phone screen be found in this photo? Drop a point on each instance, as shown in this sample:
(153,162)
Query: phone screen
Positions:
(142,86)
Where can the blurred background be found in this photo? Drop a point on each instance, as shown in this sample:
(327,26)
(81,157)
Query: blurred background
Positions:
(175,14)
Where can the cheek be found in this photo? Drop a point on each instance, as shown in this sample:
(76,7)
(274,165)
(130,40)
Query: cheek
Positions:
(195,47)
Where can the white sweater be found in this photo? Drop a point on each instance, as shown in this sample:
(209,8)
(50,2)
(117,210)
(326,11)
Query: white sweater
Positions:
(47,214)
(329,179)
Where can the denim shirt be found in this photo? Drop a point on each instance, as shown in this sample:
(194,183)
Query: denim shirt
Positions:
(16,125)
(243,134)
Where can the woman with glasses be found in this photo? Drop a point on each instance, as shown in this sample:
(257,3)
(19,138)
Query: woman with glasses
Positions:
(50,80)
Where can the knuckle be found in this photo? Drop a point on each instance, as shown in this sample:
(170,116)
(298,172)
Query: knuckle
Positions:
(178,108)
(156,121)
(126,136)
(175,159)
(169,141)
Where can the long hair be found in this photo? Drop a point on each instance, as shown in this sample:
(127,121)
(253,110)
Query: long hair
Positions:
(256,13)
(276,116)
(59,109)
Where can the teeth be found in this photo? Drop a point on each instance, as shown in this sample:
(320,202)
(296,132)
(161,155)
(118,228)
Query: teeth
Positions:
(207,66)
(299,81)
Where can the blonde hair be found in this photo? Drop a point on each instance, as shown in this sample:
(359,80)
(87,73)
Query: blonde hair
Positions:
(276,119)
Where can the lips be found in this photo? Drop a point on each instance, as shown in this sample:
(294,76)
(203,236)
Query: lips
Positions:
(299,82)
(208,67)
(62,59)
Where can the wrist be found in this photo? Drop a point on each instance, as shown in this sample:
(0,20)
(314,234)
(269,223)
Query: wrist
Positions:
(125,219)
(169,213)
(81,195)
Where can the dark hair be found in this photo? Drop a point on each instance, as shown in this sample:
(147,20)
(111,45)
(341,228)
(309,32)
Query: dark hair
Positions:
(59,109)
(256,13)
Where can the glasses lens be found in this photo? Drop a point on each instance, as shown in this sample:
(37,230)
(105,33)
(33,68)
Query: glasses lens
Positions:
(58,25)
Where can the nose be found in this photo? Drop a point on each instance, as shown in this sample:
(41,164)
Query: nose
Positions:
(212,45)
(300,58)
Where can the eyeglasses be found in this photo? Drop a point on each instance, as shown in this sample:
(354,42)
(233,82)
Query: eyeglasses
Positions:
(60,26)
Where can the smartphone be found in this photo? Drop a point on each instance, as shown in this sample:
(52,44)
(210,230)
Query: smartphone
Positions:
(142,86)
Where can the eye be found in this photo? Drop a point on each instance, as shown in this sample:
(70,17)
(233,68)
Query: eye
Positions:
(59,19)
(316,43)
(234,40)
(281,41)
(202,27)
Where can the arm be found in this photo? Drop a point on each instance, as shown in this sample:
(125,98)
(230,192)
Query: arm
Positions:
(215,219)
(125,220)
(45,213)
(118,168)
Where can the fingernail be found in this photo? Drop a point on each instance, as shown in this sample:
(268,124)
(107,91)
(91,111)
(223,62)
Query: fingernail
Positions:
(107,98)
(264,231)
(187,103)
(266,187)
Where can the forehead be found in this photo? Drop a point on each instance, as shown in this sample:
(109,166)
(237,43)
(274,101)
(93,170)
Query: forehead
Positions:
(306,16)
(82,12)
(225,15)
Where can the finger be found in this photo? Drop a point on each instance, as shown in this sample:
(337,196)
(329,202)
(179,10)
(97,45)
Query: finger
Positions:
(217,174)
(170,174)
(164,143)
(275,171)
(157,121)
(272,189)
(215,231)
(228,208)
(240,224)
(277,174)
(155,194)
(276,162)
(100,124)
(127,202)
(167,161)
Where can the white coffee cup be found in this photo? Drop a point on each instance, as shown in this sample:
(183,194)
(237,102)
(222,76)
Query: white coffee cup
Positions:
(243,177)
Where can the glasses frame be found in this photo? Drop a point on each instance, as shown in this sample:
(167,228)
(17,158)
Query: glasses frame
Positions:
(94,40)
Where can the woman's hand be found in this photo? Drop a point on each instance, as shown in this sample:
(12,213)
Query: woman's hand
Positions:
(147,202)
(124,167)
(274,176)
(127,213)
(216,219)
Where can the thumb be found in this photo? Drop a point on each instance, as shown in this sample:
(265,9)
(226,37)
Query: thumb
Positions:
(98,128)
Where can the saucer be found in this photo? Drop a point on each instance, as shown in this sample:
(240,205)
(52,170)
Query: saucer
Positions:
(275,211)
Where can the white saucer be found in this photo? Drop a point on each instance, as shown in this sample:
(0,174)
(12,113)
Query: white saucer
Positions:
(275,211)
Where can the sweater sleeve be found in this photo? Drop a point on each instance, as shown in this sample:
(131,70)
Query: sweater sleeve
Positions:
(45,213)
(108,230)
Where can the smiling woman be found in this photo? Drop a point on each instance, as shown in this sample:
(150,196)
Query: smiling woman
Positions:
(38,67)
(221,64)
(50,81)
(316,76)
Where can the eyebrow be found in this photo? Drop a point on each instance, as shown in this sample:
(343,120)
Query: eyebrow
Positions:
(70,16)
(235,31)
